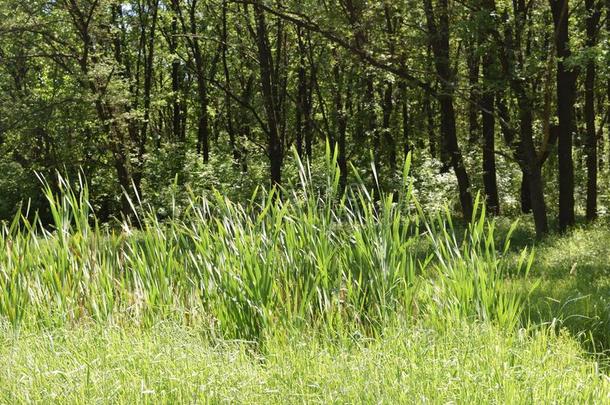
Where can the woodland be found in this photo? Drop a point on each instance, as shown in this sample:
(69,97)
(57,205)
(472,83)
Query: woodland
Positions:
(216,200)
(509,99)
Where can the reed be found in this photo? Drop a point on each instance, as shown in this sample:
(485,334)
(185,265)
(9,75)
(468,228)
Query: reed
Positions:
(300,257)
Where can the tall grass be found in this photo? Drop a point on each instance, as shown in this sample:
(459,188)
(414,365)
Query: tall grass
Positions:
(314,256)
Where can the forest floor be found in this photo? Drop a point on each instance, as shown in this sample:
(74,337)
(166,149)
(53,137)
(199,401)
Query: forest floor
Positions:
(560,356)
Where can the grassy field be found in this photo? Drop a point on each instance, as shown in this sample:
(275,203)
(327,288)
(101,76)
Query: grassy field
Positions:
(470,363)
(346,298)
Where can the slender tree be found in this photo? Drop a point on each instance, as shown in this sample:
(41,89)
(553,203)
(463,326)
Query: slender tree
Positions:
(566,95)
(593,10)
(438,31)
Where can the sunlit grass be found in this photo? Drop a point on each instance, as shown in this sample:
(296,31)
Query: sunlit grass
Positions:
(311,257)
(471,363)
(310,295)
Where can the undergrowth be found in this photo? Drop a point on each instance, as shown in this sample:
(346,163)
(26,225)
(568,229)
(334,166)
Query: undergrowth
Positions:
(310,257)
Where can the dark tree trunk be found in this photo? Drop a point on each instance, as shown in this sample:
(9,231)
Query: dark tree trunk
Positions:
(508,134)
(406,120)
(269,88)
(238,158)
(280,80)
(429,118)
(109,112)
(308,111)
(566,94)
(532,168)
(455,155)
(148,74)
(526,150)
(388,139)
(203,130)
(300,103)
(197,64)
(608,81)
(593,16)
(245,126)
(340,118)
(149,51)
(370,116)
(203,126)
(303,101)
(439,37)
(473,81)
(525,196)
(173,47)
(489,158)
(487,101)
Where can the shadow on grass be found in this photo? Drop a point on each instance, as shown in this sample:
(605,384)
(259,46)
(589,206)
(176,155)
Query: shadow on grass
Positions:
(574,291)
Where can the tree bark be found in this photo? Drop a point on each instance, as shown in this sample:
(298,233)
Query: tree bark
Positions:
(487,101)
(439,37)
(489,157)
(340,120)
(304,101)
(175,74)
(238,157)
(269,87)
(525,149)
(406,120)
(566,94)
(592,20)
(429,119)
(473,82)
(388,139)
(532,168)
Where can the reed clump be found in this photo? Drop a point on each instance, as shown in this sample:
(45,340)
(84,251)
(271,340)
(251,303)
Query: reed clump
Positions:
(315,256)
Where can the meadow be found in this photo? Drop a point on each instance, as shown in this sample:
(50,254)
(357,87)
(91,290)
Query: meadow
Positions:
(308,295)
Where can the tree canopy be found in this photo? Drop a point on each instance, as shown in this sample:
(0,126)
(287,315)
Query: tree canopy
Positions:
(510,99)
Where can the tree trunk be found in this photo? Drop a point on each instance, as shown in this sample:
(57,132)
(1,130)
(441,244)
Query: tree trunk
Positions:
(203,127)
(268,84)
(439,38)
(532,168)
(473,81)
(388,139)
(173,46)
(406,120)
(508,134)
(566,94)
(489,157)
(430,126)
(301,89)
(608,81)
(487,101)
(340,118)
(370,115)
(593,16)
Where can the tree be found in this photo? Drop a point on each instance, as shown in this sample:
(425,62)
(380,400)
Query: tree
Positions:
(438,31)
(593,11)
(566,95)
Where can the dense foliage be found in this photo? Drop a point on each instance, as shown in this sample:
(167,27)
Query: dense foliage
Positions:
(246,269)
(302,201)
(154,96)
(319,296)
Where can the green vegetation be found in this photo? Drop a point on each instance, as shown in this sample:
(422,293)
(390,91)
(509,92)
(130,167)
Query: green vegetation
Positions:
(470,363)
(286,201)
(360,258)
(316,296)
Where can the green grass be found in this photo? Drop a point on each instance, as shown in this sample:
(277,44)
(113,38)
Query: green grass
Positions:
(312,258)
(574,291)
(317,296)
(473,363)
